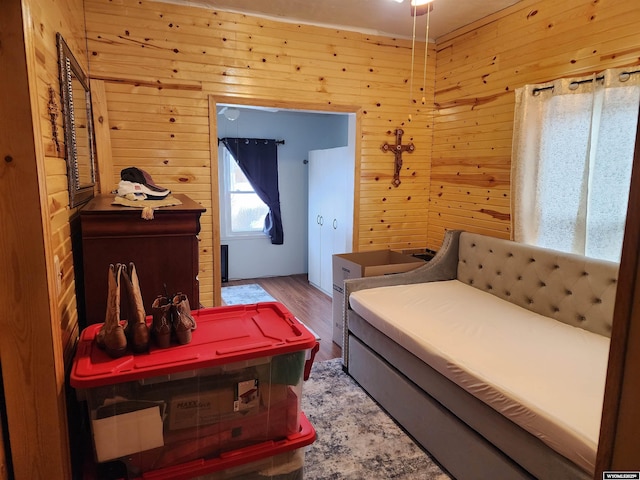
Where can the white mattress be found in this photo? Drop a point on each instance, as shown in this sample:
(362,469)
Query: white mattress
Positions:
(544,375)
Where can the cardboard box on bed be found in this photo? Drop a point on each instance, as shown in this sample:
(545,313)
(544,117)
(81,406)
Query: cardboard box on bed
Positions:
(364,264)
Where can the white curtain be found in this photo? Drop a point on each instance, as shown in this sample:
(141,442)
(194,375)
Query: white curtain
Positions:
(571,165)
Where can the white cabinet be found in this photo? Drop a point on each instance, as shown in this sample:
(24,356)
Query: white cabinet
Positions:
(330,211)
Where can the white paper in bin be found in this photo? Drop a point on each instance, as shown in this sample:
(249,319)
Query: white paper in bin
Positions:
(128,433)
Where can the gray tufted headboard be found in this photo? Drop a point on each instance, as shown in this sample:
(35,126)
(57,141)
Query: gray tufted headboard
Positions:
(573,289)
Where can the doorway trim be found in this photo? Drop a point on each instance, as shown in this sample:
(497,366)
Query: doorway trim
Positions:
(214,100)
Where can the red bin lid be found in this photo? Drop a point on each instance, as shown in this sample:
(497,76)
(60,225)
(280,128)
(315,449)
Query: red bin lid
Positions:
(223,335)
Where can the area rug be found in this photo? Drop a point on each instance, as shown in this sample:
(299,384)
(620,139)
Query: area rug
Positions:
(245,294)
(356,439)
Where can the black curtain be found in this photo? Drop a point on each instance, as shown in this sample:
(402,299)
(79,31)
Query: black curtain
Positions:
(258,160)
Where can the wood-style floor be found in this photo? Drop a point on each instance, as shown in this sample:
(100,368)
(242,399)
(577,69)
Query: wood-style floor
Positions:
(311,306)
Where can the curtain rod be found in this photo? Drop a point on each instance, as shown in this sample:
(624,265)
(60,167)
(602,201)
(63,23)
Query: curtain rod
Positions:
(278,142)
(579,82)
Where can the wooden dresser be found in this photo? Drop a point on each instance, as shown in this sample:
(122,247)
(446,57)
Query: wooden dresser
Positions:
(164,251)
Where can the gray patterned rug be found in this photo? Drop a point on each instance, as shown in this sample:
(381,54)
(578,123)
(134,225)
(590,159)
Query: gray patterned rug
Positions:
(245,294)
(356,439)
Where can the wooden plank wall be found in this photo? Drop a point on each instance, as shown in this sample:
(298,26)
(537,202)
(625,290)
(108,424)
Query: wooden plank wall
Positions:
(40,327)
(166,133)
(67,18)
(172,57)
(478,69)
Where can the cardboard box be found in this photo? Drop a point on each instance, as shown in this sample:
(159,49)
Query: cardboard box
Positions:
(363,264)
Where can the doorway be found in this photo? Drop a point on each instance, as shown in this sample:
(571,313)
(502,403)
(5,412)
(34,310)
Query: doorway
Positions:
(300,131)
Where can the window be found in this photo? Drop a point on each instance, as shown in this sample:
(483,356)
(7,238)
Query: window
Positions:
(572,155)
(243,212)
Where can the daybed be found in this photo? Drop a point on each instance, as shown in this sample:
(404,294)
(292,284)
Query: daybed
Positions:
(492,356)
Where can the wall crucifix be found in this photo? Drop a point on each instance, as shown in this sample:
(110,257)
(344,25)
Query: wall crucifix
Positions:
(397,150)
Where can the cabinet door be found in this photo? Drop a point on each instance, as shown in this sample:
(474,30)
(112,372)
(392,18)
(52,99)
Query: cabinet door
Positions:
(335,206)
(330,212)
(342,204)
(315,216)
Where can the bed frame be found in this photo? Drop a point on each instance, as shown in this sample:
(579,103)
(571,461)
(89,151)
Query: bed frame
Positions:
(467,437)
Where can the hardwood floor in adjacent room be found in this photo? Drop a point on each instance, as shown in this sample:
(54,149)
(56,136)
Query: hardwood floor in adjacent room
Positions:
(311,306)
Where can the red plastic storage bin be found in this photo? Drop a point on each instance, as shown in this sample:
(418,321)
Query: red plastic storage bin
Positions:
(274,460)
(237,384)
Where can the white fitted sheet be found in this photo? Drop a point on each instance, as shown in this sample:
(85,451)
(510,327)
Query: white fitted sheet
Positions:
(544,375)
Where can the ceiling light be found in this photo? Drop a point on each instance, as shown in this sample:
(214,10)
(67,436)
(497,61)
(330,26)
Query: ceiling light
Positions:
(230,114)
(420,7)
